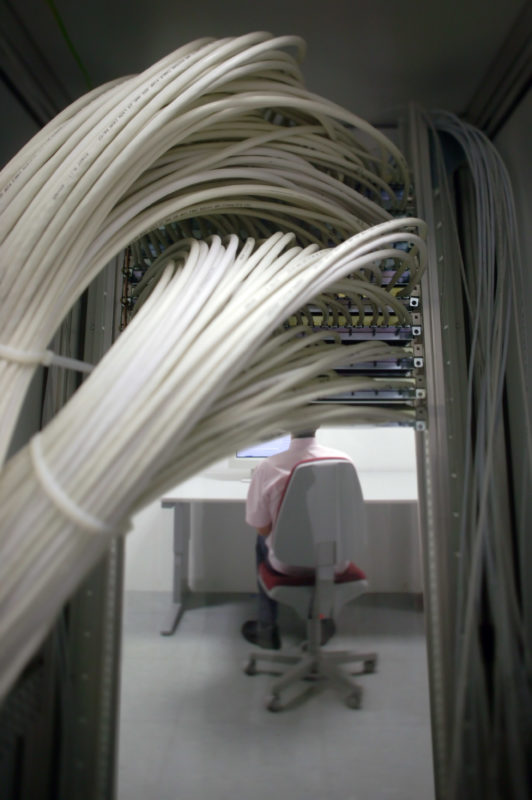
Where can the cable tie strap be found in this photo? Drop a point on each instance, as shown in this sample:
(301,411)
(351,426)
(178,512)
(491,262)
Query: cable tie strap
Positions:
(70,363)
(59,497)
(45,357)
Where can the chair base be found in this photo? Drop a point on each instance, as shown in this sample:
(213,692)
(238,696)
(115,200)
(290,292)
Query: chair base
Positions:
(320,666)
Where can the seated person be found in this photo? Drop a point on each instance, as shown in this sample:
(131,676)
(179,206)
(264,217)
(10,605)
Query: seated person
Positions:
(262,507)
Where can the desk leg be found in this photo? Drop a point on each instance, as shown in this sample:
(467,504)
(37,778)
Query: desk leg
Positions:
(180,577)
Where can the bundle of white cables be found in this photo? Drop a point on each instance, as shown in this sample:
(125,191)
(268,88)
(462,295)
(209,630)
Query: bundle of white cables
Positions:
(493,699)
(186,380)
(112,166)
(197,371)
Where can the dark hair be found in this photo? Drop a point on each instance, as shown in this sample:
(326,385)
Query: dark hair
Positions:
(310,434)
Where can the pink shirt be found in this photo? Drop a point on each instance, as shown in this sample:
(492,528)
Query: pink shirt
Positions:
(268,484)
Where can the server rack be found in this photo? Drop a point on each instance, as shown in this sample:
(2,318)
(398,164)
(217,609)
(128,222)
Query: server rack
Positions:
(440,492)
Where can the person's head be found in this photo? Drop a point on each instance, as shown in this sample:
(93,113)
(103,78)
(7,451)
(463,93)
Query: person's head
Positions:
(309,433)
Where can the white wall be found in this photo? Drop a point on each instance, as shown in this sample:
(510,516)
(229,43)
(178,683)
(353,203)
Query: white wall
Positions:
(223,558)
(222,545)
(149,548)
(389,450)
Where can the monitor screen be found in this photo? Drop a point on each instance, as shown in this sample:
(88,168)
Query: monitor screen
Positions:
(265,449)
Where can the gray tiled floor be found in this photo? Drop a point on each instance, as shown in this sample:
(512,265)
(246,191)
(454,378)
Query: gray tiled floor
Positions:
(194,726)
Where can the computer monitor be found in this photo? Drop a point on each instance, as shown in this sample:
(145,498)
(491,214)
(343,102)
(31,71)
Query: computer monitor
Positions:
(250,457)
(266,449)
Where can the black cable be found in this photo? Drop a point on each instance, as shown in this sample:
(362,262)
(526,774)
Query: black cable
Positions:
(69,43)
(22,100)
(34,47)
(35,92)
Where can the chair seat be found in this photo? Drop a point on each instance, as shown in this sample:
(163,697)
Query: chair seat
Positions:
(271,579)
(297,590)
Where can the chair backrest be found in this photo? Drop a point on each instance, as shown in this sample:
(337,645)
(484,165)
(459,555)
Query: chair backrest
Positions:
(322,517)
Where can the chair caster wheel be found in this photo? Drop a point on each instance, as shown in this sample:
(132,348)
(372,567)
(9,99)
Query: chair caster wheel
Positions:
(273,703)
(354,700)
(251,667)
(370,665)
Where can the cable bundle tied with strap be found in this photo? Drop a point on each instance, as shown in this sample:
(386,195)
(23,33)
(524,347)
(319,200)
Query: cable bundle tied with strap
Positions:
(265,197)
(217,127)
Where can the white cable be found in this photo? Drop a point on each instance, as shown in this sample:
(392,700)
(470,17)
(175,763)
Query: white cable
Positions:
(494,694)
(82,519)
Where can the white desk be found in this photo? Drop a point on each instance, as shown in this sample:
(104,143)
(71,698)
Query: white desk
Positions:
(225,488)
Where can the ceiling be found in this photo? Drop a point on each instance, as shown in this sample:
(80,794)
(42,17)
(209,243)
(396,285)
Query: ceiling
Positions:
(372,56)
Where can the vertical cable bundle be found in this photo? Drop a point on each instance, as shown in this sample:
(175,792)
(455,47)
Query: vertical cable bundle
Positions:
(493,699)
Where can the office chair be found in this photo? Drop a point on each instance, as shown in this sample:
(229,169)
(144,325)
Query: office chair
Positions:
(320,524)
